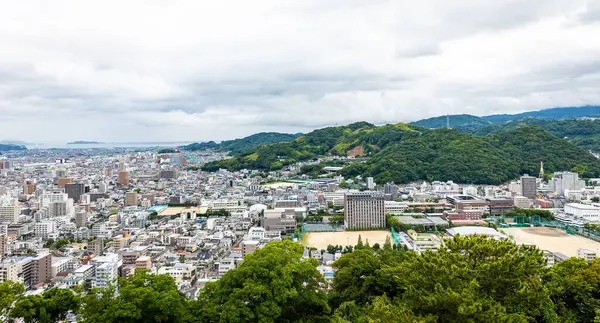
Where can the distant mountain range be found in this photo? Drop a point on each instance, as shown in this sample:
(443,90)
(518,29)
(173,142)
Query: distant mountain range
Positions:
(84,143)
(470,121)
(577,125)
(237,146)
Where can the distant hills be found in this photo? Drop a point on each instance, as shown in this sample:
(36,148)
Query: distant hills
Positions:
(8,147)
(467,121)
(84,143)
(241,145)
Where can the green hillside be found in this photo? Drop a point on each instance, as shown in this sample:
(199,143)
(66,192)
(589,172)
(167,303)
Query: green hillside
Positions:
(456,120)
(404,153)
(449,155)
(584,133)
(365,138)
(237,146)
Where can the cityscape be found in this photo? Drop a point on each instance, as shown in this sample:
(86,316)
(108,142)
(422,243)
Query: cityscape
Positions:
(299,161)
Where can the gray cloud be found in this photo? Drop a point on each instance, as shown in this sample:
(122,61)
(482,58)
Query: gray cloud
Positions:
(198,70)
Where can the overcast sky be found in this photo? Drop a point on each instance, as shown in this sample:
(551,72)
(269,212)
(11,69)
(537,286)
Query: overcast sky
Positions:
(169,70)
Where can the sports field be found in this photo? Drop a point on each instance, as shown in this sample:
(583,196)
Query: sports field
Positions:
(551,239)
(321,240)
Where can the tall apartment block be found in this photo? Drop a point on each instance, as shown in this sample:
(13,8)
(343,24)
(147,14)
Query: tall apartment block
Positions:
(364,210)
(528,186)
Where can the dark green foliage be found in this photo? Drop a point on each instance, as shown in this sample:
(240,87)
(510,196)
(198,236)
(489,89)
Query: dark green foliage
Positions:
(220,212)
(238,146)
(273,284)
(448,155)
(583,133)
(166,151)
(9,292)
(142,297)
(52,306)
(544,214)
(548,114)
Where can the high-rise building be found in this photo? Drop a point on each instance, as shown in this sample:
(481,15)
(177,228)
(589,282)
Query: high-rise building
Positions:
(81,219)
(562,181)
(75,190)
(364,210)
(131,199)
(391,189)
(528,186)
(123,178)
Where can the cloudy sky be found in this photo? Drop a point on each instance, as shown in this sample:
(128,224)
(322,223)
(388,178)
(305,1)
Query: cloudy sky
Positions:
(169,70)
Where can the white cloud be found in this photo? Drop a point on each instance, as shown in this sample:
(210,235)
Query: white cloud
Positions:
(198,70)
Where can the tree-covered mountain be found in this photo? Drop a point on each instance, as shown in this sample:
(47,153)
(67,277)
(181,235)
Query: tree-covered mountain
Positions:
(357,139)
(584,133)
(456,120)
(549,114)
(467,122)
(200,146)
(8,147)
(403,153)
(240,145)
(237,146)
(444,154)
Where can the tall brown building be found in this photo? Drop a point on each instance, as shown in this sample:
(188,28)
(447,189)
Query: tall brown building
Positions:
(61,182)
(123,178)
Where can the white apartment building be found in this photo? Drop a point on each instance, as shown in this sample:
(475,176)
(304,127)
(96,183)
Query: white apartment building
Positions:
(179,272)
(256,233)
(522,202)
(85,272)
(107,270)
(9,271)
(586,254)
(44,229)
(61,264)
(364,210)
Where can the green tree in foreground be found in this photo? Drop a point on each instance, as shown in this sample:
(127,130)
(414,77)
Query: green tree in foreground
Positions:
(273,284)
(142,297)
(9,292)
(51,306)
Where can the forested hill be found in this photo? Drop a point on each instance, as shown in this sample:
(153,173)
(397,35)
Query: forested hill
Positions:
(238,146)
(584,133)
(357,139)
(455,121)
(404,153)
(444,154)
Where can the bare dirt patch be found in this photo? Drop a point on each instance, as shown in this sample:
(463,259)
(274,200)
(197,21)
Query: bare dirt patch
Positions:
(321,240)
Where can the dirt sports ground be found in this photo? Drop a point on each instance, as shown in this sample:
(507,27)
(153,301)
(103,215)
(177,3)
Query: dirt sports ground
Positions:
(321,240)
(552,239)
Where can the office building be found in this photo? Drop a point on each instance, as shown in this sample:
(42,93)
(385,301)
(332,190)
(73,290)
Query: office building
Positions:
(364,210)
(528,186)
(583,211)
(75,190)
(565,181)
(63,181)
(499,206)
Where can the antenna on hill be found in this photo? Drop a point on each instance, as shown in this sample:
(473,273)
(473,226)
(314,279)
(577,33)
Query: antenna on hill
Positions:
(447,121)
(541,169)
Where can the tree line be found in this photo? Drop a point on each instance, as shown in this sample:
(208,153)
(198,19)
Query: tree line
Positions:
(470,279)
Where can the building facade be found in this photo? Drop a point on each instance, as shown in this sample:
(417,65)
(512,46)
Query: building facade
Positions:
(364,210)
